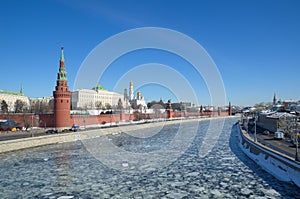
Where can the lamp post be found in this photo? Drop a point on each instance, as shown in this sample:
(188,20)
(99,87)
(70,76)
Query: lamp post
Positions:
(255,120)
(111,117)
(31,121)
(130,113)
(32,126)
(84,119)
(296,154)
(296,140)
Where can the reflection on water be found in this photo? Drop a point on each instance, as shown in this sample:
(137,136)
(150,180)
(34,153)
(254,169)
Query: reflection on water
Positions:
(67,169)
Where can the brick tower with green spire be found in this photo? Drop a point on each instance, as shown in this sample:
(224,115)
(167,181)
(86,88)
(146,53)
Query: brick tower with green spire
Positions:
(62,97)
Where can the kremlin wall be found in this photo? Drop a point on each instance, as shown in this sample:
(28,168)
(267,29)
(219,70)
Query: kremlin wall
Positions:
(63,119)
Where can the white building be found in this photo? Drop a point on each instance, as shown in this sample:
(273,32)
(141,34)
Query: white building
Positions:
(96,98)
(45,99)
(139,101)
(11,97)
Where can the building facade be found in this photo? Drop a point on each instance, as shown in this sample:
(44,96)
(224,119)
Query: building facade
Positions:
(275,121)
(42,104)
(138,102)
(11,97)
(135,102)
(96,98)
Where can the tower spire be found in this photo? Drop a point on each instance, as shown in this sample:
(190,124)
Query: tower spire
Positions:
(62,60)
(62,74)
(62,57)
(21,90)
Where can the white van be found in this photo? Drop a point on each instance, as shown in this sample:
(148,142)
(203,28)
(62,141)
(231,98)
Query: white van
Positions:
(279,135)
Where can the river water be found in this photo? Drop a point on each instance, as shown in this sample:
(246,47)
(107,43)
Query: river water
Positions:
(69,170)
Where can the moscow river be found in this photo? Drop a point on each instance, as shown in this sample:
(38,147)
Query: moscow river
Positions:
(70,170)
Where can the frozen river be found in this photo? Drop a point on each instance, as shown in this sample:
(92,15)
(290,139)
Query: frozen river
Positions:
(69,170)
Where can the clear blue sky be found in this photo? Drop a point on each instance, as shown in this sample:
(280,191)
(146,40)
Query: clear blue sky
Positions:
(255,44)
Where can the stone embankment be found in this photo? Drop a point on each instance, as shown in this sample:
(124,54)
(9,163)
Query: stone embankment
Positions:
(278,164)
(23,143)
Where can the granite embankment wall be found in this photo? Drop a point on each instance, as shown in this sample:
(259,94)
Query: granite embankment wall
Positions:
(281,166)
(17,144)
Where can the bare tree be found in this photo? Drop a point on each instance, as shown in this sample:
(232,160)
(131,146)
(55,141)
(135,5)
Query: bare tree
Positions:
(108,106)
(51,105)
(99,105)
(19,106)
(4,107)
(120,104)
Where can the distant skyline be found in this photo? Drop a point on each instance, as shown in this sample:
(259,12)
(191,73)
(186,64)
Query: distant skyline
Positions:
(255,44)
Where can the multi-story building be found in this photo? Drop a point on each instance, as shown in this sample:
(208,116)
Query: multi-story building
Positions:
(42,104)
(138,102)
(96,98)
(45,99)
(11,97)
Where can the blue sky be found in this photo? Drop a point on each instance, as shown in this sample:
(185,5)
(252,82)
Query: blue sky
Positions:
(255,44)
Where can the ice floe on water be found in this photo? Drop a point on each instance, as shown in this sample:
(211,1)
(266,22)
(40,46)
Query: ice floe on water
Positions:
(68,170)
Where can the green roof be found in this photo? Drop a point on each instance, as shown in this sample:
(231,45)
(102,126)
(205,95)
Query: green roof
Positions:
(11,93)
(98,87)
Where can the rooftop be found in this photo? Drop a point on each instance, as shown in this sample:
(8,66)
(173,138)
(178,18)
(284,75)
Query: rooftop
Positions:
(280,114)
(11,93)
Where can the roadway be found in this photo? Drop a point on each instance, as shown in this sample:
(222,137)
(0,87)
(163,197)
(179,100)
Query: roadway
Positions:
(4,135)
(284,146)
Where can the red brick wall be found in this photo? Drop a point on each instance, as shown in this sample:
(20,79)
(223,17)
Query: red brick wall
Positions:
(48,120)
(23,118)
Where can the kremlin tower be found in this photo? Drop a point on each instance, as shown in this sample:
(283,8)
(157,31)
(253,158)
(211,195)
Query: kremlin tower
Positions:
(62,97)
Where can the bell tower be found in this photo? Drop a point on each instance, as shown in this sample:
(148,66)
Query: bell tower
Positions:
(131,95)
(62,97)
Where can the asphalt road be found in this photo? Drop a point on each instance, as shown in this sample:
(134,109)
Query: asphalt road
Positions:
(284,146)
(22,134)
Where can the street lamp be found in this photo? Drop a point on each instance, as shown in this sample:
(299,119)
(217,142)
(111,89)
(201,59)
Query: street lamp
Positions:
(130,113)
(31,121)
(32,126)
(296,154)
(296,139)
(84,119)
(255,120)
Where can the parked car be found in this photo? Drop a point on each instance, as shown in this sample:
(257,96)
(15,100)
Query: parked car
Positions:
(279,135)
(74,128)
(52,131)
(10,125)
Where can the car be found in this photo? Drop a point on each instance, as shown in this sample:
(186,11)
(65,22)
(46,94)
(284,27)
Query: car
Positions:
(266,132)
(278,135)
(75,128)
(52,131)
